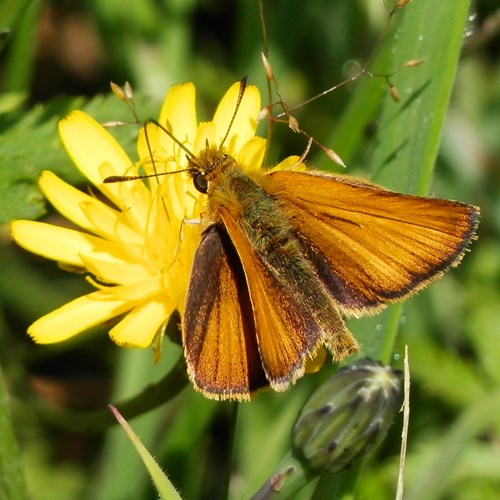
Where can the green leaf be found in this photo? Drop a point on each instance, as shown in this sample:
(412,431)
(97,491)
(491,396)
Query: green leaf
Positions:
(12,482)
(409,131)
(30,144)
(165,488)
(10,15)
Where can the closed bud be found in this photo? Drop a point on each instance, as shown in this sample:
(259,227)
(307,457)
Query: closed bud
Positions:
(118,91)
(267,67)
(293,124)
(124,93)
(335,157)
(348,415)
(263,113)
(413,62)
(401,3)
(394,92)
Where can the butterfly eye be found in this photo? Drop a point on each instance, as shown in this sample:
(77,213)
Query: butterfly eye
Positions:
(200,183)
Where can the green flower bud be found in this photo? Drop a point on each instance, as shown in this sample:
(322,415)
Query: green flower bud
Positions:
(348,415)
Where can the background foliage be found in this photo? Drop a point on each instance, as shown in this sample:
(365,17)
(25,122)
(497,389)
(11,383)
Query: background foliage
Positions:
(61,55)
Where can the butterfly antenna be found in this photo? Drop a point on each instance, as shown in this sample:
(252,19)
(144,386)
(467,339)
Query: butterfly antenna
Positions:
(189,153)
(241,93)
(122,178)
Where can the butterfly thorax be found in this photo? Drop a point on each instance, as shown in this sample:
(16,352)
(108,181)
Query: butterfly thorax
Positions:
(254,210)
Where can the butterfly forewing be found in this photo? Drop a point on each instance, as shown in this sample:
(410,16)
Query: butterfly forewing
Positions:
(369,245)
(219,337)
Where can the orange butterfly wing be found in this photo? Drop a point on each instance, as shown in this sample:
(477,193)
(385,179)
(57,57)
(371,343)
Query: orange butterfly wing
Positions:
(218,329)
(371,246)
(292,310)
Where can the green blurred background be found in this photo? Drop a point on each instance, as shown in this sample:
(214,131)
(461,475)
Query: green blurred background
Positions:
(60,55)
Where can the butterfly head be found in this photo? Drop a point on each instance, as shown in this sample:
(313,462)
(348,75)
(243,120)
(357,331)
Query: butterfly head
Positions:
(208,167)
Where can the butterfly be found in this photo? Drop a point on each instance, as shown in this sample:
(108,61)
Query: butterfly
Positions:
(284,255)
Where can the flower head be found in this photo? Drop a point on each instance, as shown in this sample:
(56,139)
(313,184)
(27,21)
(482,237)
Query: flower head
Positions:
(135,244)
(347,416)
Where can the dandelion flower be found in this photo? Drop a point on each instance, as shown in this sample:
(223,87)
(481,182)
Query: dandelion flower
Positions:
(133,240)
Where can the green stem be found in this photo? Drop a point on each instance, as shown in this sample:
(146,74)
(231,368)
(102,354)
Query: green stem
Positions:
(153,396)
(288,478)
(228,469)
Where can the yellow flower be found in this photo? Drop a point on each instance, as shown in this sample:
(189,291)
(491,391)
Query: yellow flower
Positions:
(137,248)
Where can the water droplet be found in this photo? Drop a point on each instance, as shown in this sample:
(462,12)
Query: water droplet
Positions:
(396,356)
(379,327)
(402,319)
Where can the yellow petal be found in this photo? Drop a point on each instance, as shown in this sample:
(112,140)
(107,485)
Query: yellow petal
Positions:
(89,145)
(76,316)
(315,363)
(109,224)
(153,157)
(59,243)
(163,229)
(116,272)
(178,116)
(245,122)
(97,155)
(290,163)
(251,156)
(204,134)
(137,292)
(176,196)
(65,198)
(131,197)
(139,326)
(84,210)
